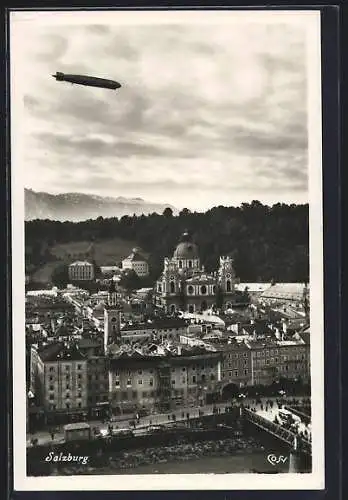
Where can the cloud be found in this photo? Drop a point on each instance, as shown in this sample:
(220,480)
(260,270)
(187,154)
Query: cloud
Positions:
(204,109)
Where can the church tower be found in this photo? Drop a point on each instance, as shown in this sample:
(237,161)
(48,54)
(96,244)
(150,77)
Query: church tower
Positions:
(227,276)
(112,315)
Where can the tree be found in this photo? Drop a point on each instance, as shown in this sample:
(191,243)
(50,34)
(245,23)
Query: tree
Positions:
(168,212)
(60,275)
(219,297)
(184,212)
(130,280)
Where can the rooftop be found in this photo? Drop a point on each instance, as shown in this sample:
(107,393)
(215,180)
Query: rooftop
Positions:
(80,263)
(59,351)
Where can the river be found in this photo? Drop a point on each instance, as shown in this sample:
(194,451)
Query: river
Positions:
(237,464)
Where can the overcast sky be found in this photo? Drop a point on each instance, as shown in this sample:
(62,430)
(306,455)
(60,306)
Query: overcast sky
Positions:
(206,115)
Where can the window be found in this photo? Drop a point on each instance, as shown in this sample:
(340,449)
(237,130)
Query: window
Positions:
(79,376)
(173,382)
(51,397)
(140,382)
(79,405)
(51,369)
(183,380)
(67,387)
(67,406)
(245,372)
(79,367)
(144,394)
(51,378)
(79,395)
(67,395)
(151,382)
(203,289)
(236,373)
(51,387)
(228,286)
(67,368)
(190,263)
(212,377)
(117,383)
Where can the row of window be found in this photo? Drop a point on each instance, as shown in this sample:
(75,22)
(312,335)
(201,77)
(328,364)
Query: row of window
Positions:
(236,364)
(67,396)
(238,355)
(67,378)
(67,368)
(236,373)
(183,369)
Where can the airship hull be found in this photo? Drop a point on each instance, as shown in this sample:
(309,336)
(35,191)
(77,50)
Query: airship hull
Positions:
(88,81)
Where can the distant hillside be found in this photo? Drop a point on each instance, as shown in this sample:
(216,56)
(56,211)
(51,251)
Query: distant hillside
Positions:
(267,243)
(106,252)
(78,207)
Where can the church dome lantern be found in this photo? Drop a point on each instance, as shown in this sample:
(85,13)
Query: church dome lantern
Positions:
(186,249)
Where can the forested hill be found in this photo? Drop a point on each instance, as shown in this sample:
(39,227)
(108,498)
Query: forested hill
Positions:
(266,242)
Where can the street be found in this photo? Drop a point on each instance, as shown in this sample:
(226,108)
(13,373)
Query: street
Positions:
(122,422)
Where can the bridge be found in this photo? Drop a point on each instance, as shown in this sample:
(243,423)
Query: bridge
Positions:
(277,431)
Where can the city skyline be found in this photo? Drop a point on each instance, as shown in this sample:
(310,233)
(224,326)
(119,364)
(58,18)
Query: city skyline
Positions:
(199,120)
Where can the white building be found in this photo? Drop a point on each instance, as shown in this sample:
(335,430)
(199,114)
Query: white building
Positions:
(81,271)
(136,262)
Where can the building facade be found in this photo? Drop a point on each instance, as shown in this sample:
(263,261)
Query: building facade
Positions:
(81,271)
(98,386)
(271,361)
(137,263)
(163,383)
(61,381)
(185,285)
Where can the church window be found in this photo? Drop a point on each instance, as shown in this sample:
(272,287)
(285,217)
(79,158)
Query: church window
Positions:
(203,289)
(172,287)
(113,320)
(228,286)
(190,263)
(190,289)
(180,264)
(214,289)
(190,309)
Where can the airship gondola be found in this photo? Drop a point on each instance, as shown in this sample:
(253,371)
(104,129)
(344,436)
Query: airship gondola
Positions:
(89,81)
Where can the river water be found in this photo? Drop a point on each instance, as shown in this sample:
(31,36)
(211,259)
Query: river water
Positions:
(237,464)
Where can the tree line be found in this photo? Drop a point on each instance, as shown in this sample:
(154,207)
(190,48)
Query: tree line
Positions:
(267,243)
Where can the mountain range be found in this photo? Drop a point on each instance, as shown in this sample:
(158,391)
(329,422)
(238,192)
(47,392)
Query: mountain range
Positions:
(78,206)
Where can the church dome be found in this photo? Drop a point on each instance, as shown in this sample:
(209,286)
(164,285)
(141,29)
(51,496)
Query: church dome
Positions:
(186,249)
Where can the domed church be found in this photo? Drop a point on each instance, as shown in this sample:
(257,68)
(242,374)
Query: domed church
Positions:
(184,284)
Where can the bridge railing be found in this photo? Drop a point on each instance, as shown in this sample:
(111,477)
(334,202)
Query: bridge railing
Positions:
(277,430)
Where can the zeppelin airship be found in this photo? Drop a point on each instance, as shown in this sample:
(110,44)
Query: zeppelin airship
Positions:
(89,81)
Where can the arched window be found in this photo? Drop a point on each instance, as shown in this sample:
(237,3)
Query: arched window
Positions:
(214,289)
(190,263)
(228,286)
(190,289)
(190,309)
(203,289)
(172,287)
(180,264)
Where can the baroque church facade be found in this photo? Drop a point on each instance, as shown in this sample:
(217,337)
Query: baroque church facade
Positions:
(185,285)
